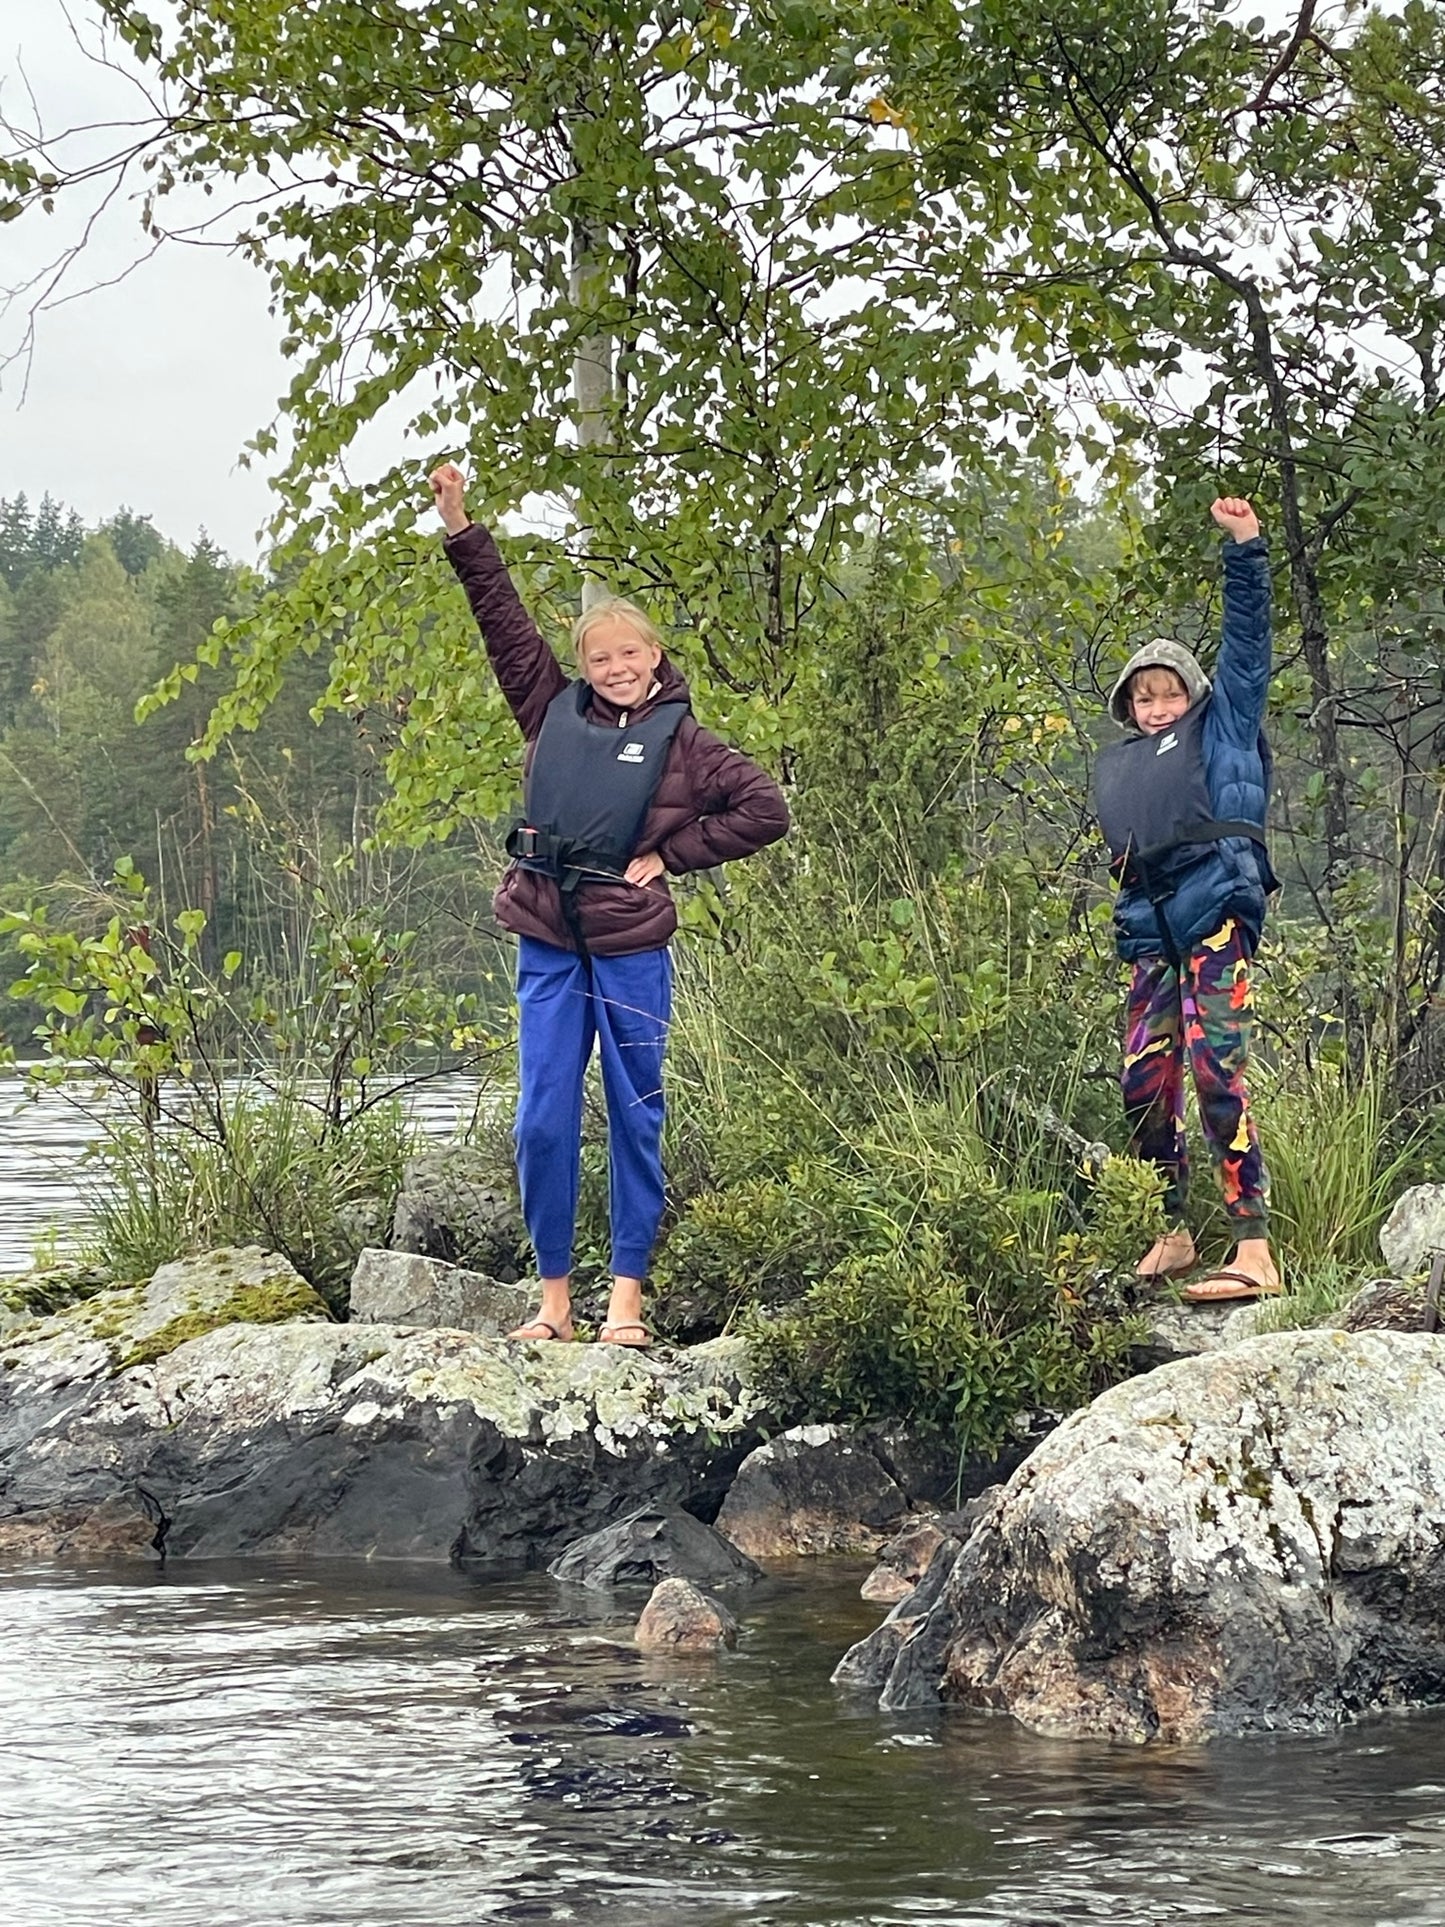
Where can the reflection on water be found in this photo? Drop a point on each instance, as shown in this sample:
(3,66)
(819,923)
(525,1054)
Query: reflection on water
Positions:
(44,1138)
(217,1747)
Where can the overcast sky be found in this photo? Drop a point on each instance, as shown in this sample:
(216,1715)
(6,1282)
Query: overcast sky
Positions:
(142,393)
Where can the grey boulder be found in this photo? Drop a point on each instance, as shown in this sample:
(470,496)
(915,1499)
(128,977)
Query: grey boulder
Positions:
(403,1288)
(650,1544)
(371,1441)
(1414,1230)
(452,1206)
(1249,1540)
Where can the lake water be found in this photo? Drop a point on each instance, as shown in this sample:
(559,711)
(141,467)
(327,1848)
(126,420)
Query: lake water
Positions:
(44,1140)
(410,1747)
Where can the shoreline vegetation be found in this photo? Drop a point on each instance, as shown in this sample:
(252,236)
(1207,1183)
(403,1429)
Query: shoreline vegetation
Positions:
(894,1108)
(890,364)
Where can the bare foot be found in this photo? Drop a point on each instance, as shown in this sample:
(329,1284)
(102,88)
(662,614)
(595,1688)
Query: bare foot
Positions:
(542,1328)
(630,1333)
(554,1319)
(1250,1273)
(1169,1257)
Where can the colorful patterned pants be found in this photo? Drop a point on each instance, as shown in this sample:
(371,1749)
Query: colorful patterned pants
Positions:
(1202,1012)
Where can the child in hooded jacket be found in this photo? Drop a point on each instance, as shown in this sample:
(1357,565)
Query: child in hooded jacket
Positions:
(594,963)
(1182,804)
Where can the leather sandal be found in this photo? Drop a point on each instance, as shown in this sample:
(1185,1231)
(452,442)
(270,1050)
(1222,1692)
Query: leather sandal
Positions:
(608,1335)
(1232,1285)
(539,1332)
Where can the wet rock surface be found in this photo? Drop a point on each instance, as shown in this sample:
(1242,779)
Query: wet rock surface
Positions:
(309,1438)
(679,1617)
(404,1288)
(651,1544)
(821,1489)
(1249,1540)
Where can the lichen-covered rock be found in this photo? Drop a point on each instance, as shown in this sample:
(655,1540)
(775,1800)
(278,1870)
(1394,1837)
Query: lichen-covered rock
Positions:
(126,1325)
(1252,1539)
(1414,1230)
(1177,1330)
(403,1288)
(679,1618)
(653,1543)
(451,1206)
(366,1440)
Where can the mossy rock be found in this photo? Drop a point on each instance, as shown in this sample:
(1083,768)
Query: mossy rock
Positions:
(136,1324)
(275,1301)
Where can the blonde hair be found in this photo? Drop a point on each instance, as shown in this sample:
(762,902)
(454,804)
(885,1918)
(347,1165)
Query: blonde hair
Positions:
(615,608)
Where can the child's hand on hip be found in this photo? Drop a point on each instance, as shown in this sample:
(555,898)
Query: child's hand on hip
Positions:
(1235,516)
(645,869)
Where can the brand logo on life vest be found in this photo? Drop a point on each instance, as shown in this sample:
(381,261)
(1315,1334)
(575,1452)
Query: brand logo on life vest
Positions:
(1171,741)
(631,753)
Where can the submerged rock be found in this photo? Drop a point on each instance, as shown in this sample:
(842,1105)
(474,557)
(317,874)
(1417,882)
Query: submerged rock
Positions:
(653,1543)
(679,1618)
(1247,1540)
(451,1207)
(348,1440)
(403,1288)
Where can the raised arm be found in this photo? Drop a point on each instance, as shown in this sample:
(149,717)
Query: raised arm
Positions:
(526,669)
(1242,672)
(740,807)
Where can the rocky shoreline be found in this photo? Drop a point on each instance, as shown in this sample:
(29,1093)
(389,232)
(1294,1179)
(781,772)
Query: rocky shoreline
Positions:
(1248,1536)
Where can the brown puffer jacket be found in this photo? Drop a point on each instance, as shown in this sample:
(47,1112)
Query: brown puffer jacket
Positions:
(711,803)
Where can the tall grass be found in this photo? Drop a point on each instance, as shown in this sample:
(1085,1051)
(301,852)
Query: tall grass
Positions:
(264,1170)
(1337,1160)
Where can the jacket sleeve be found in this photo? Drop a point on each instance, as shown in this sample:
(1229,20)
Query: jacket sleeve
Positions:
(740,809)
(1242,671)
(527,671)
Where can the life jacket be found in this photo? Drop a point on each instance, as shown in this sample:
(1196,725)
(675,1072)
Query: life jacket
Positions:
(588,792)
(1152,798)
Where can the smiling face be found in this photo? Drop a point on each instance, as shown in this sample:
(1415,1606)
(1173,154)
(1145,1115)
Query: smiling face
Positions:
(1157,698)
(618,662)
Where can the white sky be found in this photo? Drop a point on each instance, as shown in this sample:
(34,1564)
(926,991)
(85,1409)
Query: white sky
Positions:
(142,393)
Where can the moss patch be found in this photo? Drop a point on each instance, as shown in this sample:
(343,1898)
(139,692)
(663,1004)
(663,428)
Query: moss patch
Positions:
(52,1289)
(272,1302)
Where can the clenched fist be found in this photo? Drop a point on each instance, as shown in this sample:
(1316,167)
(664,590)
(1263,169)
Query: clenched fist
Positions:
(448,486)
(1235,516)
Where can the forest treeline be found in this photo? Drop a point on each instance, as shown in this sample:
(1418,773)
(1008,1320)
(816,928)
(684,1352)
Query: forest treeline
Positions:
(259,840)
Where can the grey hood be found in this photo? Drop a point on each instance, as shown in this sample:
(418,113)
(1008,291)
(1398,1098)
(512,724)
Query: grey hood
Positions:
(1159,654)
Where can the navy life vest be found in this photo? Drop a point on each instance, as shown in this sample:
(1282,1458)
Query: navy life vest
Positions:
(589,789)
(1152,797)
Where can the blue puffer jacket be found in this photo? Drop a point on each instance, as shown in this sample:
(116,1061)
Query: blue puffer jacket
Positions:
(1231,878)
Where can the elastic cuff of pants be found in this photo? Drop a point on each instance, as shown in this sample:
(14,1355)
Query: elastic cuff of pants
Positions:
(554,1264)
(1256,1225)
(631,1264)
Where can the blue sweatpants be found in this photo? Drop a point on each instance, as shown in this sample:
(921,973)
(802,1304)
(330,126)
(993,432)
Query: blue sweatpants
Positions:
(564,1002)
